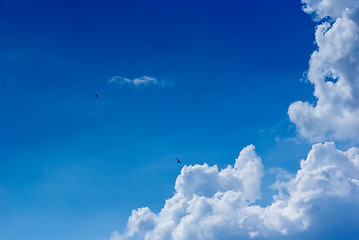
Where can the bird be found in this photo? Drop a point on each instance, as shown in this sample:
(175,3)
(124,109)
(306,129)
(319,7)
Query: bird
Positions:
(178,161)
(96,95)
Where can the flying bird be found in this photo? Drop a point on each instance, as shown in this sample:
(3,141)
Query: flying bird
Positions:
(178,161)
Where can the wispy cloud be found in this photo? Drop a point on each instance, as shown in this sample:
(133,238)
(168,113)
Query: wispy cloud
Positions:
(137,82)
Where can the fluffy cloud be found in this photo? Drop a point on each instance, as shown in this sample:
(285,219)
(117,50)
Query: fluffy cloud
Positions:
(328,8)
(142,81)
(212,203)
(220,204)
(334,71)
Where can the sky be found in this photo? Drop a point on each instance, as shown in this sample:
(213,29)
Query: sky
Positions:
(259,99)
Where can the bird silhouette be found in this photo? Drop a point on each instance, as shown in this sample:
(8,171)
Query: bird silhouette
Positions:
(178,161)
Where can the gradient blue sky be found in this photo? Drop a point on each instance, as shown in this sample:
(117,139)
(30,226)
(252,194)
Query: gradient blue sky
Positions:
(73,166)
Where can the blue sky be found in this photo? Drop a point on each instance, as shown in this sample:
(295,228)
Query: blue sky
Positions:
(73,166)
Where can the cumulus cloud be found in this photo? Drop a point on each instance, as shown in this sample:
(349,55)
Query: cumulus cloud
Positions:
(334,72)
(328,8)
(220,204)
(212,203)
(142,81)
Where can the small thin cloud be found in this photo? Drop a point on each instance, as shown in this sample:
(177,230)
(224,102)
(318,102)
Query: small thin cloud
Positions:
(137,82)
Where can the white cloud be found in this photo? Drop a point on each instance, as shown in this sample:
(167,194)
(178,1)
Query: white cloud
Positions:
(212,203)
(328,8)
(220,204)
(142,81)
(334,71)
